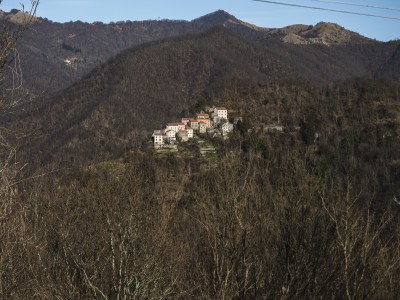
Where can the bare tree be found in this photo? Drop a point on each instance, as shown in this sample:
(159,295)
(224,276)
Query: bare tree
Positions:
(11,94)
(13,240)
(360,248)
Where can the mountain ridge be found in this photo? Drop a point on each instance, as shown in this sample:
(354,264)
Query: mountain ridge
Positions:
(322,33)
(63,52)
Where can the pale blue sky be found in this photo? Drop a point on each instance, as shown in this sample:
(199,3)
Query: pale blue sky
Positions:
(261,14)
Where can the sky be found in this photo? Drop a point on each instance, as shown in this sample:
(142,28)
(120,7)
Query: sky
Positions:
(257,13)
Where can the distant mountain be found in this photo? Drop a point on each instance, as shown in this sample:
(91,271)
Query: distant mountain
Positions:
(111,109)
(63,53)
(16,16)
(217,18)
(55,55)
(322,33)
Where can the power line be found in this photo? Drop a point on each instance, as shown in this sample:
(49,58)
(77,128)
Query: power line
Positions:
(358,5)
(328,9)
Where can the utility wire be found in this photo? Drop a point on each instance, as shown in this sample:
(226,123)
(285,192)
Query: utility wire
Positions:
(328,9)
(356,4)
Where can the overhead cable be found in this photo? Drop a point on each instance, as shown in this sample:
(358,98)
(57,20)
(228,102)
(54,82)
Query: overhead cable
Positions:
(357,4)
(331,10)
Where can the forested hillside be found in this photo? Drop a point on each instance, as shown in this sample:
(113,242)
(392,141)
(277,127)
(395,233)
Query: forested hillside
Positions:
(113,108)
(273,215)
(391,68)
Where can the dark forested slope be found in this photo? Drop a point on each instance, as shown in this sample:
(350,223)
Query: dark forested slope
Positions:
(271,215)
(107,111)
(391,68)
(141,89)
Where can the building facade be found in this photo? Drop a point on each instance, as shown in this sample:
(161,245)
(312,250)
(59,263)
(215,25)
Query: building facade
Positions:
(221,112)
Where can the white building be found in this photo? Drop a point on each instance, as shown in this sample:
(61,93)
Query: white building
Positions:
(221,112)
(189,131)
(158,138)
(202,127)
(181,126)
(171,136)
(202,116)
(205,121)
(173,126)
(194,124)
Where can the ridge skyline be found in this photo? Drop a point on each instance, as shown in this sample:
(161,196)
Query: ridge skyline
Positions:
(14,16)
(259,14)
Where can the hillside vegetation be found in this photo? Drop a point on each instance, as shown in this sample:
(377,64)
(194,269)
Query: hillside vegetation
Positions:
(89,210)
(115,106)
(275,215)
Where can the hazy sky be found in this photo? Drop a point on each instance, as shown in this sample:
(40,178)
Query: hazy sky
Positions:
(261,14)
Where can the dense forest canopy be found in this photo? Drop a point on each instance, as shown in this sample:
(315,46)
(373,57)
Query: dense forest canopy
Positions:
(272,215)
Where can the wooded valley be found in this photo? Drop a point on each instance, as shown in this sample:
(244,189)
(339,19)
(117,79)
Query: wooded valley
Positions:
(89,210)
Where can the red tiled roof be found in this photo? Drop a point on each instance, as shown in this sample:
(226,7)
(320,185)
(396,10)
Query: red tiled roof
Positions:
(220,108)
(189,128)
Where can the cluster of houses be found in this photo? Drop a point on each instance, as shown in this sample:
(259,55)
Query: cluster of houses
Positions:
(215,121)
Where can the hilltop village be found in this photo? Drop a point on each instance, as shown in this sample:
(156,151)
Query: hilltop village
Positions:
(215,121)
